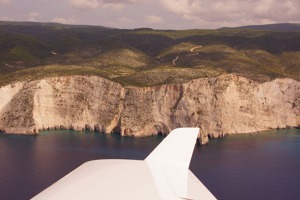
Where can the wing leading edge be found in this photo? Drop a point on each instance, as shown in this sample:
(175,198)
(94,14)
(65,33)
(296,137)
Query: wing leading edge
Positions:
(169,164)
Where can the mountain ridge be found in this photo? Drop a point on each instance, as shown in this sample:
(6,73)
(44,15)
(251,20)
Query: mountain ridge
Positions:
(280,27)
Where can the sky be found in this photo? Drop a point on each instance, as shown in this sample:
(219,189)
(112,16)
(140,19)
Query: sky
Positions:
(157,14)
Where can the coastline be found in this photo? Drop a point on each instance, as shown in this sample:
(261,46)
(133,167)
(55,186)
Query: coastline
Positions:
(228,104)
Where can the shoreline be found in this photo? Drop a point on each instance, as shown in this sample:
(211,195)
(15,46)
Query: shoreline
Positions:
(198,142)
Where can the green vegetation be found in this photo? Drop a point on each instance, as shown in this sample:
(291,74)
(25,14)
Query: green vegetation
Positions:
(167,74)
(145,57)
(177,48)
(35,73)
(174,34)
(291,62)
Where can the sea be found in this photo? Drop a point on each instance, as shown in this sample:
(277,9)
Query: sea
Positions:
(257,166)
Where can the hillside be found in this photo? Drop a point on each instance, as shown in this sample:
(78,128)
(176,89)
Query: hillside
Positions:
(145,57)
(282,27)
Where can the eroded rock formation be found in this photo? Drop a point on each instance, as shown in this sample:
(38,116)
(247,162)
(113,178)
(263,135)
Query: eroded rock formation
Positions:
(227,104)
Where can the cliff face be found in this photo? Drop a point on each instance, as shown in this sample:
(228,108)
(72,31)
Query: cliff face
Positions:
(223,105)
(66,102)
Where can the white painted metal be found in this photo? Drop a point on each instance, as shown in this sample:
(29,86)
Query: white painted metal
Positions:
(164,174)
(176,149)
(104,179)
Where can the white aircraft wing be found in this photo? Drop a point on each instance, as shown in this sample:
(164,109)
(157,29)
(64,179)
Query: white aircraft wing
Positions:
(164,174)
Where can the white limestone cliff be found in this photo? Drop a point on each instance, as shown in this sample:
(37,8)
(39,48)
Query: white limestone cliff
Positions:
(228,104)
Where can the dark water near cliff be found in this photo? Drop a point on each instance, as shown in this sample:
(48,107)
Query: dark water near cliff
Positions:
(265,166)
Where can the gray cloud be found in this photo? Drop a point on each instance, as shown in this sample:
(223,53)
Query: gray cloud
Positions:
(235,11)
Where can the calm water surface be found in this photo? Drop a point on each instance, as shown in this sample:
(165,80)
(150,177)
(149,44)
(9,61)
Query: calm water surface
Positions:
(264,166)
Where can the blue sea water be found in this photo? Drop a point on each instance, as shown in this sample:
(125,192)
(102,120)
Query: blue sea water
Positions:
(261,166)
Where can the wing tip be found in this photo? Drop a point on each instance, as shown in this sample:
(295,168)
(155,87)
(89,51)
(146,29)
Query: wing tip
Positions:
(176,149)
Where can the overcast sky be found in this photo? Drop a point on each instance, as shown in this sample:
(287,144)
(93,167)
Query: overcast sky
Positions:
(158,14)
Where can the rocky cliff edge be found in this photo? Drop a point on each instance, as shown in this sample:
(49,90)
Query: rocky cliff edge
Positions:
(227,104)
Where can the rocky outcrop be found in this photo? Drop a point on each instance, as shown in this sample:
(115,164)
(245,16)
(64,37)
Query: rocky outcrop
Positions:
(66,102)
(228,104)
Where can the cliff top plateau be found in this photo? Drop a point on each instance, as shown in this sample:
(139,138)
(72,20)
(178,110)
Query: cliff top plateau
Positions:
(147,57)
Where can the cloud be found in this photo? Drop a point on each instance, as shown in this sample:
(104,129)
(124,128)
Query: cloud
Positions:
(224,12)
(32,16)
(5,18)
(5,2)
(113,6)
(122,1)
(85,4)
(59,20)
(153,19)
(62,20)
(121,22)
(124,20)
(108,4)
